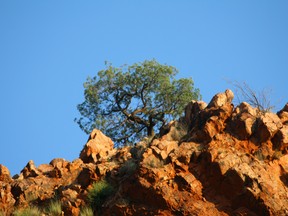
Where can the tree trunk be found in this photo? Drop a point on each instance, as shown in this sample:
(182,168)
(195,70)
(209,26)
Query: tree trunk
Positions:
(150,131)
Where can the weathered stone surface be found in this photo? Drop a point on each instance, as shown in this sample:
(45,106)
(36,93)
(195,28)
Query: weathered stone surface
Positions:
(87,175)
(45,169)
(4,174)
(163,148)
(242,121)
(221,99)
(192,110)
(7,200)
(212,120)
(99,147)
(267,126)
(29,170)
(283,114)
(280,140)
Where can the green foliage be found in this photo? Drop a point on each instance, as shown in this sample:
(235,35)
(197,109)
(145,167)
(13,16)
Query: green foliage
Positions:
(54,208)
(86,211)
(128,168)
(154,162)
(30,211)
(179,132)
(277,155)
(99,192)
(129,102)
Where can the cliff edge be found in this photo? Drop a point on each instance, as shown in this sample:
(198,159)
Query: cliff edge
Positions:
(216,160)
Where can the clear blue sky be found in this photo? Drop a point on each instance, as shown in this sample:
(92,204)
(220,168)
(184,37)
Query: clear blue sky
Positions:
(48,48)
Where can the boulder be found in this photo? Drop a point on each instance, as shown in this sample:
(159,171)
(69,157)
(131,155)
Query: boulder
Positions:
(60,166)
(4,174)
(222,99)
(212,120)
(280,140)
(87,175)
(242,121)
(267,126)
(163,148)
(283,114)
(30,170)
(45,169)
(7,200)
(191,111)
(99,147)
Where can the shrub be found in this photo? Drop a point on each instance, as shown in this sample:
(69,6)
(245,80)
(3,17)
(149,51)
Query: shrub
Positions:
(277,155)
(154,162)
(30,211)
(261,100)
(86,211)
(54,208)
(99,192)
(259,155)
(180,131)
(128,168)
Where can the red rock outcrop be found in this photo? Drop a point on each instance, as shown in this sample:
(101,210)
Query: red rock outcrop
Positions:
(216,160)
(99,147)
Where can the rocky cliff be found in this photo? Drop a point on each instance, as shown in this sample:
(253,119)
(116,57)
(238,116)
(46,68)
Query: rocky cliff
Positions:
(216,160)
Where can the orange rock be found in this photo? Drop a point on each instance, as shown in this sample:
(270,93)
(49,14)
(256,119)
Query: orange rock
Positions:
(99,147)
(280,140)
(4,174)
(283,114)
(242,120)
(30,170)
(231,162)
(267,126)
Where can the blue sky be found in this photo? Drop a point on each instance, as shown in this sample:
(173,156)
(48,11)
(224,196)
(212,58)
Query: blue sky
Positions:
(48,48)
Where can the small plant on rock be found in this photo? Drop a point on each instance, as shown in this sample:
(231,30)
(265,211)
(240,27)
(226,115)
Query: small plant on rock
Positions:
(30,211)
(54,208)
(86,211)
(154,162)
(99,192)
(180,131)
(261,100)
(277,155)
(128,168)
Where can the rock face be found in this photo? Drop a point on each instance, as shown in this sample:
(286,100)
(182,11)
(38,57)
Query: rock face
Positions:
(98,148)
(225,161)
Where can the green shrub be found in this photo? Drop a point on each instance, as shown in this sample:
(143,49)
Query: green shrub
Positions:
(30,211)
(54,208)
(154,162)
(128,168)
(86,211)
(259,155)
(179,132)
(277,155)
(99,192)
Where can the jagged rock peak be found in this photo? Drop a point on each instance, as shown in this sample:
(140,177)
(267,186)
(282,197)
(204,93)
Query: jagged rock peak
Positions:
(221,99)
(99,147)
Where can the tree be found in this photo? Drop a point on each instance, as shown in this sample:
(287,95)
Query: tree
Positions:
(129,102)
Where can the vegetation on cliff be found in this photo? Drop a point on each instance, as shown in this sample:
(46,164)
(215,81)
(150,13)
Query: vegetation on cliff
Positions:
(130,102)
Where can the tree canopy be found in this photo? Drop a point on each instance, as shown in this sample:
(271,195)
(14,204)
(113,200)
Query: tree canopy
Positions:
(130,102)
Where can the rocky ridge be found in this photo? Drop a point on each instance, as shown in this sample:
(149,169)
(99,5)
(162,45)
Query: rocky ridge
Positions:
(216,160)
